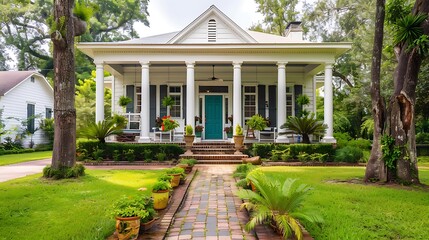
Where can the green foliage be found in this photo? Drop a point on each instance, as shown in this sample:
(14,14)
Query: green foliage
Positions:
(277,14)
(116,155)
(188,161)
(422,137)
(363,144)
(47,126)
(243,169)
(167,101)
(238,130)
(302,100)
(279,202)
(168,124)
(305,126)
(303,157)
(349,154)
(119,120)
(101,130)
(175,170)
(83,11)
(283,154)
(168,151)
(124,101)
(391,152)
(64,172)
(128,206)
(161,156)
(328,149)
(189,130)
(262,149)
(147,154)
(342,138)
(165,178)
(257,122)
(129,155)
(161,186)
(408,29)
(367,128)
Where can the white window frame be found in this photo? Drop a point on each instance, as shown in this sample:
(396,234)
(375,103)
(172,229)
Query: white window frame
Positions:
(244,100)
(180,100)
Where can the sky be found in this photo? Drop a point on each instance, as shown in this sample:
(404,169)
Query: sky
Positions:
(174,15)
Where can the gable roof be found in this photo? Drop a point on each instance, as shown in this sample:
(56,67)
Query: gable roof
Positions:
(213,10)
(11,79)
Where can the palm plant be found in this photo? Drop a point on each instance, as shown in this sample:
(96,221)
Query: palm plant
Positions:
(279,203)
(305,125)
(101,130)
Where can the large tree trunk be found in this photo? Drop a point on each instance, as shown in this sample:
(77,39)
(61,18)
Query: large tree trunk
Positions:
(400,119)
(64,87)
(376,169)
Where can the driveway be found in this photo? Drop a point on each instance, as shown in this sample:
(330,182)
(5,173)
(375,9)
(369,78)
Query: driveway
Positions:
(19,170)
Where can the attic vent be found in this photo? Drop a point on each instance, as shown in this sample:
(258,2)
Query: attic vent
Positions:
(32,79)
(211,34)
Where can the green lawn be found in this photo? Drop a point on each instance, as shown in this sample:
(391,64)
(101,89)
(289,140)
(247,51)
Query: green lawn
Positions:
(34,208)
(356,211)
(24,157)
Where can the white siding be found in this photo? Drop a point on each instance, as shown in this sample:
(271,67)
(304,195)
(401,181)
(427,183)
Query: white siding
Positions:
(14,105)
(224,34)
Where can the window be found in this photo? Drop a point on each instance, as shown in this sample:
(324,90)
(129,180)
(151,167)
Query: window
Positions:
(30,117)
(175,93)
(289,102)
(139,99)
(211,33)
(32,79)
(249,101)
(48,113)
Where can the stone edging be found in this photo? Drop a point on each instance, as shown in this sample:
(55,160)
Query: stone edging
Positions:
(122,163)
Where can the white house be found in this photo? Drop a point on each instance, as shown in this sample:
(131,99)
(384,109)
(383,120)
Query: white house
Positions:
(25,95)
(214,69)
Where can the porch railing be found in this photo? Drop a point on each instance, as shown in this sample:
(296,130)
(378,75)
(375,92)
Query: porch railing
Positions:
(133,121)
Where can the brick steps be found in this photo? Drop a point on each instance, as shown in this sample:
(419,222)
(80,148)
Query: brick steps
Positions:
(215,153)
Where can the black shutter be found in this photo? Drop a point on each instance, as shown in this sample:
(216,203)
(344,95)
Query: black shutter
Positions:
(30,118)
(152,105)
(261,100)
(297,92)
(184,103)
(272,105)
(130,93)
(162,95)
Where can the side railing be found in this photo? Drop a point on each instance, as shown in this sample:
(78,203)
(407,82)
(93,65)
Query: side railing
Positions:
(133,121)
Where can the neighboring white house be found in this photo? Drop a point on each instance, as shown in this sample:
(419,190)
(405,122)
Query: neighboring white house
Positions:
(24,94)
(214,69)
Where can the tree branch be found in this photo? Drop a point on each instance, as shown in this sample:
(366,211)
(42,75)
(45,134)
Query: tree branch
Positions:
(344,78)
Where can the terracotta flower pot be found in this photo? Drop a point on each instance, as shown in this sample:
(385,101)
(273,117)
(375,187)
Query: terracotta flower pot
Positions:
(147,225)
(160,199)
(127,227)
(238,142)
(175,180)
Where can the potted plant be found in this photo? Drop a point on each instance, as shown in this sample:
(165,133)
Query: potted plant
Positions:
(228,131)
(128,212)
(256,122)
(182,178)
(198,130)
(160,194)
(238,139)
(175,173)
(124,101)
(187,164)
(167,102)
(147,222)
(189,139)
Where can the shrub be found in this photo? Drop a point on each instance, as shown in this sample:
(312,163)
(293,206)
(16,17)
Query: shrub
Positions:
(129,155)
(348,154)
(243,169)
(141,151)
(98,154)
(64,172)
(342,138)
(116,155)
(318,157)
(43,147)
(363,144)
(161,156)
(422,137)
(303,157)
(147,153)
(262,150)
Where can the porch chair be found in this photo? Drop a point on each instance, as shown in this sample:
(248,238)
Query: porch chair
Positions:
(179,132)
(161,134)
(268,134)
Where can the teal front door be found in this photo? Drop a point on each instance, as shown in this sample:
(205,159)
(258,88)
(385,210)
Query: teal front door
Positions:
(213,107)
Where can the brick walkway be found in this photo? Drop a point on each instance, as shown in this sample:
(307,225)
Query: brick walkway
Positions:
(211,211)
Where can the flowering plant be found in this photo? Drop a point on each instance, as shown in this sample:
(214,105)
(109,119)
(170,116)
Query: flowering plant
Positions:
(199,128)
(168,124)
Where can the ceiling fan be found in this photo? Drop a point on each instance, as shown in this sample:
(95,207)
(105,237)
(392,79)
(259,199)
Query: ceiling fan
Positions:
(213,78)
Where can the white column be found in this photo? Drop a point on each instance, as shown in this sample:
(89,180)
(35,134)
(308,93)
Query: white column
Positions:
(145,109)
(281,100)
(328,105)
(237,113)
(190,94)
(99,92)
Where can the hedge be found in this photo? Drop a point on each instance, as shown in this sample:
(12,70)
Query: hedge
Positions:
(264,149)
(17,151)
(106,151)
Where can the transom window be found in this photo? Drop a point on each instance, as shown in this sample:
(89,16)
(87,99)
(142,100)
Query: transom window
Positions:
(211,33)
(249,101)
(175,92)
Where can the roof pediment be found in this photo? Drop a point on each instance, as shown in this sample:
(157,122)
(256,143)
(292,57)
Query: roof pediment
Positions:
(213,26)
